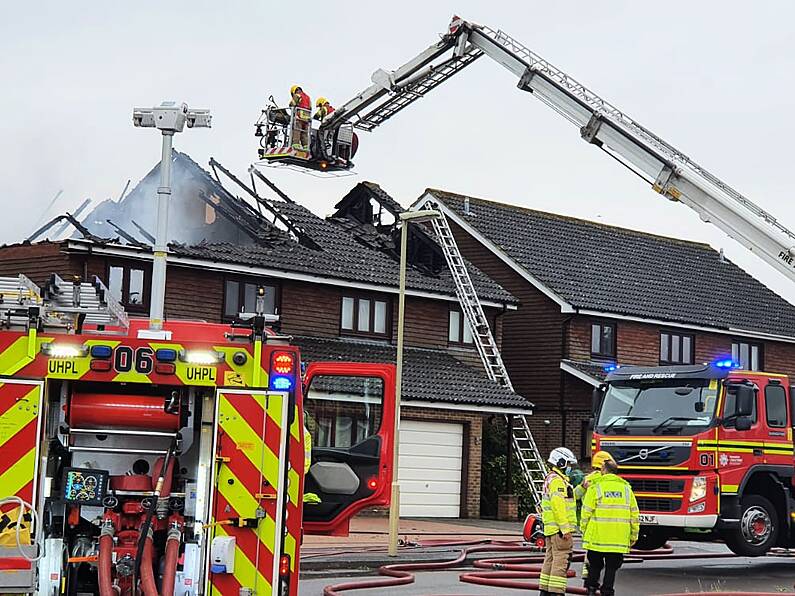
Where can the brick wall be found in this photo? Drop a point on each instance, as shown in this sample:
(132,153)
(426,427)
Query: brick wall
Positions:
(532,335)
(471,463)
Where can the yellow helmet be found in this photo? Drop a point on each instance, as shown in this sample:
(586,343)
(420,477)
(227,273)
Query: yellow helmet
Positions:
(599,458)
(293,88)
(320,101)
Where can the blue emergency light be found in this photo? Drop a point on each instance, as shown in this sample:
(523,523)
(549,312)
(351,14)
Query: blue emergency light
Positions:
(101,351)
(166,355)
(281,383)
(726,363)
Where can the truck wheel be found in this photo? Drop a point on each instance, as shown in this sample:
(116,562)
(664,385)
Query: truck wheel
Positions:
(758,531)
(650,538)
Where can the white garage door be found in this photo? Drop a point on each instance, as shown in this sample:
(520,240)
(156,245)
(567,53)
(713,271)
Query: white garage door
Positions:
(430,469)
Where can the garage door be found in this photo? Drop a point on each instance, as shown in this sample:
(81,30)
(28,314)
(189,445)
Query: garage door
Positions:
(430,469)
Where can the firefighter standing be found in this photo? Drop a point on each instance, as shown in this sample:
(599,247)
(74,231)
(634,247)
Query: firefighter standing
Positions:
(324,109)
(610,526)
(302,117)
(559,518)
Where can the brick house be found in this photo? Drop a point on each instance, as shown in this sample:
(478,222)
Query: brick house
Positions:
(333,283)
(593,295)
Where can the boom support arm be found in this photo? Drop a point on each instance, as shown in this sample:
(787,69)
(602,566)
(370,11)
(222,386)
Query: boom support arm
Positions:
(669,171)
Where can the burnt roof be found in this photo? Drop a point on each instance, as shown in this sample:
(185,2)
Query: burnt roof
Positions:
(428,375)
(309,244)
(615,270)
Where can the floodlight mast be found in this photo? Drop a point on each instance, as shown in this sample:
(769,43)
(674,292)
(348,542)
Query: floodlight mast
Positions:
(170,118)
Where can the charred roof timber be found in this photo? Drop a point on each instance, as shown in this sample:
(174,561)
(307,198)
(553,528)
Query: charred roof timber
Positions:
(371,216)
(272,206)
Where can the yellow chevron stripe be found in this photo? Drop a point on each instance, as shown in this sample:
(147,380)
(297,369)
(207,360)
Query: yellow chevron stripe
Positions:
(17,476)
(729,488)
(246,572)
(248,441)
(292,486)
(15,356)
(17,417)
(246,505)
(289,549)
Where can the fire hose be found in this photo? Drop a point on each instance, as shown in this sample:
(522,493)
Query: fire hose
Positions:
(510,572)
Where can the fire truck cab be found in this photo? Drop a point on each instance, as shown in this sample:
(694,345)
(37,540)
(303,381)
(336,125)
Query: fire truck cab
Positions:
(173,461)
(708,450)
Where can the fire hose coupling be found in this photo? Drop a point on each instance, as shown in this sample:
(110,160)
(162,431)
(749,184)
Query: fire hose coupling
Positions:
(107,528)
(174,533)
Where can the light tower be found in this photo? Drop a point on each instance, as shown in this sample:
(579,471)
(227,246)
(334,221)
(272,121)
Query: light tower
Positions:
(169,117)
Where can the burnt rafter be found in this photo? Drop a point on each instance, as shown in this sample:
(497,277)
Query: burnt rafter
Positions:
(126,235)
(247,220)
(69,219)
(301,235)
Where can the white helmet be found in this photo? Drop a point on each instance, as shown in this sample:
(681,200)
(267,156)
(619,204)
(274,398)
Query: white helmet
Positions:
(560,457)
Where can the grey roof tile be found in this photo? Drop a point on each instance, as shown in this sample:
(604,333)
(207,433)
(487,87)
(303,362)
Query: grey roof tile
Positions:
(616,270)
(428,375)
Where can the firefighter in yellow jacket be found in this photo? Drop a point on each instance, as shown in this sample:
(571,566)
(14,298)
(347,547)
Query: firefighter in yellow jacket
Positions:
(597,460)
(560,520)
(610,526)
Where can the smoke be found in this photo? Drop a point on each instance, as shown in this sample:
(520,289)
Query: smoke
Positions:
(190,219)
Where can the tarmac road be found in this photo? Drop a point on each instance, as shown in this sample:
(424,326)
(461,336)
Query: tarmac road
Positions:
(766,574)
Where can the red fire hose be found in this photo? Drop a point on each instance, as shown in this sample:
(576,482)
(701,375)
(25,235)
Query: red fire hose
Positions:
(148,586)
(104,563)
(511,572)
(170,567)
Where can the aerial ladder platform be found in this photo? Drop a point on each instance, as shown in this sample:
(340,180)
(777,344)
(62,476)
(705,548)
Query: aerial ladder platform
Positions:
(668,171)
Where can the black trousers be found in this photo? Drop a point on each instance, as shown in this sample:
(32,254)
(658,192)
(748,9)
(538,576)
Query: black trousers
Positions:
(610,562)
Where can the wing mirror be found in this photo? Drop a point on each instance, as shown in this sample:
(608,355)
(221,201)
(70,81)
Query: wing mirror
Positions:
(596,398)
(744,404)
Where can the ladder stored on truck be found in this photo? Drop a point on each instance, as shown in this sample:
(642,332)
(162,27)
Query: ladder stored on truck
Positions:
(67,305)
(524,446)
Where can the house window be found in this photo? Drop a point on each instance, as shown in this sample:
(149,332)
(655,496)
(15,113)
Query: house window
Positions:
(458,329)
(129,284)
(776,406)
(747,355)
(676,348)
(364,315)
(241,296)
(603,340)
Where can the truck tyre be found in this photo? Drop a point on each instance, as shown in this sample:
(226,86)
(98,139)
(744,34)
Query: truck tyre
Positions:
(650,538)
(758,530)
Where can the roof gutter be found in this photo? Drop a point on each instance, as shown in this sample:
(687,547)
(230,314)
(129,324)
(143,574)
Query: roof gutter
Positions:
(139,253)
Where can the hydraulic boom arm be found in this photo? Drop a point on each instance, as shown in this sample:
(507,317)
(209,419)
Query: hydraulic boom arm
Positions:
(669,171)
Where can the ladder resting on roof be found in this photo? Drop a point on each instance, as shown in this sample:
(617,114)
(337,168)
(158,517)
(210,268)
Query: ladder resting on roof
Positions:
(524,446)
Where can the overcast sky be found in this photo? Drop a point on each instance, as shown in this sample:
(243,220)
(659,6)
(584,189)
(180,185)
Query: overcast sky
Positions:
(715,78)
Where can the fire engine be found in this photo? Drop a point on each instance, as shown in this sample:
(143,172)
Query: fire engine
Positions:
(170,463)
(709,448)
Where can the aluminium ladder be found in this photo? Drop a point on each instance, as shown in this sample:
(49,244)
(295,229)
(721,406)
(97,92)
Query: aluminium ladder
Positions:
(67,305)
(524,446)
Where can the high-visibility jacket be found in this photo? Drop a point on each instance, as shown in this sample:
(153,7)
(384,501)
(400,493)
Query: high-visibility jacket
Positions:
(557,504)
(302,100)
(609,521)
(582,487)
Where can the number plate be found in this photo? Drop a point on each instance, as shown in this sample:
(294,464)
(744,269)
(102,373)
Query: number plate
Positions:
(647,519)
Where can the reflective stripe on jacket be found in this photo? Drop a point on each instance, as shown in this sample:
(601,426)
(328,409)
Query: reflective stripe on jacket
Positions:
(609,516)
(557,505)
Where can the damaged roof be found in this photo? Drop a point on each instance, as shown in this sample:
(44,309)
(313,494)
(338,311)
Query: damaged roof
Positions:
(251,232)
(428,375)
(608,269)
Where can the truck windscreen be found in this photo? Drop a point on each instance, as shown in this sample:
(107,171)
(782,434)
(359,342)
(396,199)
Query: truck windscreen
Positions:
(658,408)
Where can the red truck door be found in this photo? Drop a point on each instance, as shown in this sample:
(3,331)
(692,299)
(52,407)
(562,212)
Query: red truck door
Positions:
(349,411)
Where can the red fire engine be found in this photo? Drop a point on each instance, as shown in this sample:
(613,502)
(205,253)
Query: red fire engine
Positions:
(170,462)
(708,450)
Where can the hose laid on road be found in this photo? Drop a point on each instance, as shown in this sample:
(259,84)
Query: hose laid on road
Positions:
(511,572)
